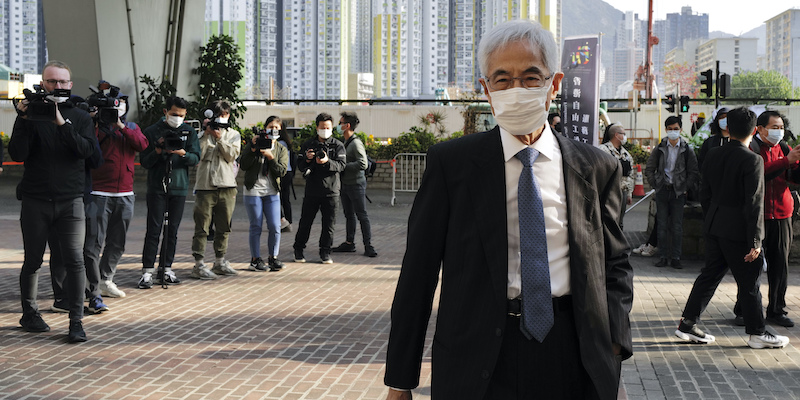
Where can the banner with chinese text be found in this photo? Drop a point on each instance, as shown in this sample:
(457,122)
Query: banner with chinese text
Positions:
(580,88)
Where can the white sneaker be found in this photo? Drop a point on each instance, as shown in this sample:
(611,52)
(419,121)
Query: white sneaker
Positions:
(649,251)
(284,223)
(109,289)
(223,268)
(200,271)
(639,249)
(767,341)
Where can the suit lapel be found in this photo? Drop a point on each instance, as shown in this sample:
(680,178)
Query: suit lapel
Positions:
(487,166)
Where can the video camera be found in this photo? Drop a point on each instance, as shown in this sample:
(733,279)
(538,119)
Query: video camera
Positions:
(265,137)
(41,106)
(105,104)
(172,140)
(215,121)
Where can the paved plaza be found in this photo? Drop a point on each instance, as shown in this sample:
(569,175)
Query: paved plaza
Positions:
(315,331)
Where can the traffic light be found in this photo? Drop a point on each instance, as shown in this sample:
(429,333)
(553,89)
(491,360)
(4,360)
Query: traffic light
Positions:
(684,104)
(670,102)
(724,83)
(707,83)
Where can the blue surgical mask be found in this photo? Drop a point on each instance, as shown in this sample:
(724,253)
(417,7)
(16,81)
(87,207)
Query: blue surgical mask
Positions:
(723,123)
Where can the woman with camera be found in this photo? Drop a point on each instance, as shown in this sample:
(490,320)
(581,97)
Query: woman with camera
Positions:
(264,163)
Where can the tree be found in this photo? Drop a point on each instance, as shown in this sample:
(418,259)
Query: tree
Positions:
(683,75)
(762,85)
(154,97)
(220,74)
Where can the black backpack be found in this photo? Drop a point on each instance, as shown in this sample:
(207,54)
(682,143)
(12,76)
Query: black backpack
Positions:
(372,165)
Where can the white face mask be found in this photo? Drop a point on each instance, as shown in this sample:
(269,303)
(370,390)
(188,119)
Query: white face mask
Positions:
(672,135)
(174,121)
(775,135)
(221,120)
(324,133)
(121,109)
(624,139)
(723,123)
(520,111)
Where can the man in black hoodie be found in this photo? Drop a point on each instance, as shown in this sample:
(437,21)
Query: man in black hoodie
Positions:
(51,191)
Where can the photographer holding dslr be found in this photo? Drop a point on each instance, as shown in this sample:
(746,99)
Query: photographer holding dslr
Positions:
(172,148)
(322,159)
(53,139)
(215,190)
(264,163)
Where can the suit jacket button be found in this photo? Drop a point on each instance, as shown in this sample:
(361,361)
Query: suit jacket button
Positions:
(485,374)
(498,332)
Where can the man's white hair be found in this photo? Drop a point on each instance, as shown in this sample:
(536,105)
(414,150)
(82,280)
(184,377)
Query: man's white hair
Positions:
(523,30)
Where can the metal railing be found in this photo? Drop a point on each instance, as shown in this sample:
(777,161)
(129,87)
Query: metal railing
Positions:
(407,171)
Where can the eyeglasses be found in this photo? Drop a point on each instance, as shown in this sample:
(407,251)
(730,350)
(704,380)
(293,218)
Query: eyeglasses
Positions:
(528,81)
(55,81)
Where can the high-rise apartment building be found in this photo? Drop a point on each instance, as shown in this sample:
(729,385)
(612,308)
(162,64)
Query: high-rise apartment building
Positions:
(228,17)
(736,54)
(397,48)
(22,46)
(783,44)
(683,26)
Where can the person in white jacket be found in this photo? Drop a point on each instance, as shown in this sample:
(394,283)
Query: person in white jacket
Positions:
(215,190)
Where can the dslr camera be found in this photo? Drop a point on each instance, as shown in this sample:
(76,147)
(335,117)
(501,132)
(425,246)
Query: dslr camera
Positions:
(105,104)
(265,137)
(320,151)
(41,107)
(215,121)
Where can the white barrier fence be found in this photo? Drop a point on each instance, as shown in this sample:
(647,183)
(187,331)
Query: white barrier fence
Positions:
(407,171)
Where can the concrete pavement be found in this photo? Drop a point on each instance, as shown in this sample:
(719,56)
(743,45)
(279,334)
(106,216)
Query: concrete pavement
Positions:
(317,331)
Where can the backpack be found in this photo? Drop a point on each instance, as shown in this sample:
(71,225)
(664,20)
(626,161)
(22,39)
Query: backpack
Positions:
(372,165)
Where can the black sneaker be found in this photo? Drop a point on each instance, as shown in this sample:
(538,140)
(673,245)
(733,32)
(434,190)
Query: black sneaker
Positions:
(169,279)
(257,265)
(345,248)
(33,323)
(76,333)
(781,320)
(59,306)
(663,263)
(146,282)
(274,264)
(298,256)
(675,263)
(688,330)
(96,305)
(738,320)
(325,258)
(369,251)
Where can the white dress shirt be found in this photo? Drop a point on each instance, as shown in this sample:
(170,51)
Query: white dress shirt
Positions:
(549,172)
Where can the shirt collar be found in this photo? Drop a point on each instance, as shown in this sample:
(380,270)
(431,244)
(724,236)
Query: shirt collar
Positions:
(546,145)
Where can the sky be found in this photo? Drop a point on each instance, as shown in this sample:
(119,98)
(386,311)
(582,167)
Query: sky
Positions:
(729,16)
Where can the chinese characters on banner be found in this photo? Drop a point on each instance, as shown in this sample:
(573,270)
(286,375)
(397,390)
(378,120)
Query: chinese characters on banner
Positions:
(580,93)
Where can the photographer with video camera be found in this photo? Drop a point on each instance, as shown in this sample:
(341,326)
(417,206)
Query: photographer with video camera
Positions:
(322,158)
(53,139)
(264,163)
(172,148)
(110,210)
(215,190)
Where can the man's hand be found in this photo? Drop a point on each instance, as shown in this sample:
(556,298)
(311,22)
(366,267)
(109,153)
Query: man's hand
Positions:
(267,153)
(215,133)
(616,348)
(59,118)
(752,255)
(794,154)
(630,200)
(159,145)
(323,160)
(180,152)
(22,107)
(120,125)
(398,394)
(310,154)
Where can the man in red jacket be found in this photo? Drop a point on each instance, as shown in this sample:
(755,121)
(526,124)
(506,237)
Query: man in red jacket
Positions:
(111,207)
(780,166)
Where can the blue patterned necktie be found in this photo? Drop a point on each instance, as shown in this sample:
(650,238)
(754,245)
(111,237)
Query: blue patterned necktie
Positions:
(537,302)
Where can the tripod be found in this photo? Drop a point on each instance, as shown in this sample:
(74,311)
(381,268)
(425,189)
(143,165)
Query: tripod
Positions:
(161,274)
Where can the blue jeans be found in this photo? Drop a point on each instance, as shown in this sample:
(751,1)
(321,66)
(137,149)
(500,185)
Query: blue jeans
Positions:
(354,204)
(258,209)
(669,216)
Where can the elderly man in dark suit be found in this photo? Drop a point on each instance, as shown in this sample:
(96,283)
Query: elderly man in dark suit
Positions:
(524,225)
(733,197)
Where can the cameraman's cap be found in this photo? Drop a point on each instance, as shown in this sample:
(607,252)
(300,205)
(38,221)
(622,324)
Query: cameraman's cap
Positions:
(103,85)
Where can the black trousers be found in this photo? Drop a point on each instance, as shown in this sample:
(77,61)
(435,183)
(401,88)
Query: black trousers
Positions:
(777,242)
(527,369)
(64,221)
(722,254)
(157,205)
(327,207)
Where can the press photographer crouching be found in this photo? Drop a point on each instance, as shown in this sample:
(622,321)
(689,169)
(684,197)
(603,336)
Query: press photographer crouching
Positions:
(52,138)
(172,148)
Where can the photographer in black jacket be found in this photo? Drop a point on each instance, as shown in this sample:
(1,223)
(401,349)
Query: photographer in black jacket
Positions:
(322,158)
(51,191)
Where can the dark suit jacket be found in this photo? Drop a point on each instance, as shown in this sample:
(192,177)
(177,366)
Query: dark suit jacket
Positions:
(458,222)
(733,194)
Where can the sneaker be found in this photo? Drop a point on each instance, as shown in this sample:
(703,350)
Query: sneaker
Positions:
(169,279)
(285,224)
(146,282)
(257,265)
(76,333)
(675,263)
(325,258)
(663,263)
(738,320)
(639,249)
(274,264)
(767,341)
(202,272)
(109,289)
(298,256)
(223,268)
(781,320)
(96,305)
(59,306)
(345,248)
(688,330)
(33,323)
(649,251)
(369,251)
